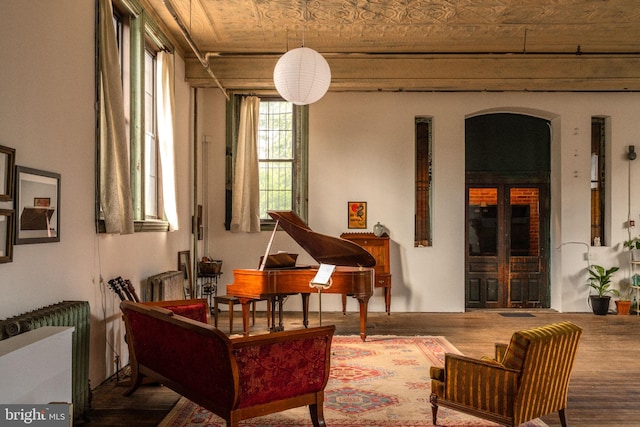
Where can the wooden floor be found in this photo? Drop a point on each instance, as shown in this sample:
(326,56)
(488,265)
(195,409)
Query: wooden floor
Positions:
(604,389)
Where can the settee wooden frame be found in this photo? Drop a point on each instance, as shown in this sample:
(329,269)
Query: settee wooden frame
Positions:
(219,383)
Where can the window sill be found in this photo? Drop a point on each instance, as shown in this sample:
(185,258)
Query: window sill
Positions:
(141,226)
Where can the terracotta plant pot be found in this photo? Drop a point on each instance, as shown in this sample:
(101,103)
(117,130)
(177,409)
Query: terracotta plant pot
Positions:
(623,307)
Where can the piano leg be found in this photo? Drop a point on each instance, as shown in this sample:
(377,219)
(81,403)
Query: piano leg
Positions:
(279,300)
(276,306)
(364,304)
(305,309)
(273,302)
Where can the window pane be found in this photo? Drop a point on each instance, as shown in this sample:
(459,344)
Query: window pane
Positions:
(151,186)
(525,222)
(149,92)
(151,144)
(483,222)
(275,133)
(275,187)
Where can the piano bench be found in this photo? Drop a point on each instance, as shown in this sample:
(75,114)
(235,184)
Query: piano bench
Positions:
(231,301)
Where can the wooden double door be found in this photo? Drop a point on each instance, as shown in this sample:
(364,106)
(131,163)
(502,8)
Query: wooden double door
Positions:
(507,240)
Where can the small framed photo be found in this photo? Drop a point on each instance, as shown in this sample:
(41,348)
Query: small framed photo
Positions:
(42,202)
(37,206)
(357,214)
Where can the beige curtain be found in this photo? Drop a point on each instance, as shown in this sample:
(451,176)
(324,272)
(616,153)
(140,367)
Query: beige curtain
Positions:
(166,108)
(116,201)
(245,214)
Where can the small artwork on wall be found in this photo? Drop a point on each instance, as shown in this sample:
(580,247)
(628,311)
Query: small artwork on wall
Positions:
(42,202)
(357,214)
(37,198)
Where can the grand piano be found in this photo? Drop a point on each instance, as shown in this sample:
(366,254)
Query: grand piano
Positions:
(353,274)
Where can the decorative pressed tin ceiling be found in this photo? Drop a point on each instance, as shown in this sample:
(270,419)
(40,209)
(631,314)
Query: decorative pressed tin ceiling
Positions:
(415,44)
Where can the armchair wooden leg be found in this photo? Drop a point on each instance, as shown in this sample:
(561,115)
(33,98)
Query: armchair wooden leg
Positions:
(434,409)
(317,411)
(136,381)
(563,417)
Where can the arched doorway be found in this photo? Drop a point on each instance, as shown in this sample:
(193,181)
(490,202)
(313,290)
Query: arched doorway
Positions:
(508,208)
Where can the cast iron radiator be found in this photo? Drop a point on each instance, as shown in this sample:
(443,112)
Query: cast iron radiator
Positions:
(164,286)
(65,313)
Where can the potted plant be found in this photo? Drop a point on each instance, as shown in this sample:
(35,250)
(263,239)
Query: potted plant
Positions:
(600,281)
(623,303)
(634,248)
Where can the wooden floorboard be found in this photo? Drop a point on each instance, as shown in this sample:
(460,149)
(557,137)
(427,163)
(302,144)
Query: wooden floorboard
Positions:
(604,388)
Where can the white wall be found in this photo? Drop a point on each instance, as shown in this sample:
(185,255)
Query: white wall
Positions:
(362,148)
(47,95)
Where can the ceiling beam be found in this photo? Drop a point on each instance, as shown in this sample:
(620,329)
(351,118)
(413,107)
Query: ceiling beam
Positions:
(491,72)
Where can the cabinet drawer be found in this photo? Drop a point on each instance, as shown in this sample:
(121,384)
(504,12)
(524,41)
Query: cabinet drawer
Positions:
(369,242)
(382,281)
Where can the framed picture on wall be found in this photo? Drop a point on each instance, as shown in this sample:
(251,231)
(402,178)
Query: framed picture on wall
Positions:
(6,235)
(37,206)
(7,159)
(357,214)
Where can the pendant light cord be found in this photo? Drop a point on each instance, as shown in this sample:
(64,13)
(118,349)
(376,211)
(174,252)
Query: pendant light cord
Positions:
(304,19)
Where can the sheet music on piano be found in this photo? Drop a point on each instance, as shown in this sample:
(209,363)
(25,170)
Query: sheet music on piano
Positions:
(322,280)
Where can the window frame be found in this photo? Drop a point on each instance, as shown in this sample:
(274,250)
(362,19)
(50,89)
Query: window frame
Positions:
(301,157)
(599,187)
(423,231)
(138,34)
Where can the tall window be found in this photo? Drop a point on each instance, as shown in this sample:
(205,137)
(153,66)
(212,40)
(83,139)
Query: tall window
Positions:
(597,179)
(282,156)
(423,182)
(139,40)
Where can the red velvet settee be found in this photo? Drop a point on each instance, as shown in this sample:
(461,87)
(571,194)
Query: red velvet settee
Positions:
(236,378)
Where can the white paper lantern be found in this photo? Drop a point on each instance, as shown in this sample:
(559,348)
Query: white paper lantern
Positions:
(302,76)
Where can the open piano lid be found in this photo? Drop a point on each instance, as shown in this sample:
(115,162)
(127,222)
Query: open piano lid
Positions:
(324,249)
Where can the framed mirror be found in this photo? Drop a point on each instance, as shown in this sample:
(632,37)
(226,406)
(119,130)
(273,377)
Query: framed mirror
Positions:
(7,163)
(184,265)
(6,235)
(37,206)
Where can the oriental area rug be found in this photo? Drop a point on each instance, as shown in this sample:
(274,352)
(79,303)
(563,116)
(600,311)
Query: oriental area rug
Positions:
(381,382)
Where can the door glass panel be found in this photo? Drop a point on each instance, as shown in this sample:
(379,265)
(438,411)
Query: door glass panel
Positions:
(524,221)
(483,222)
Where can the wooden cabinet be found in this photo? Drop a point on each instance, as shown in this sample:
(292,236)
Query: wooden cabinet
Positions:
(378,247)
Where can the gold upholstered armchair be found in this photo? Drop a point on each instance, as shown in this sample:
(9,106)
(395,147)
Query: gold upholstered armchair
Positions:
(527,379)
